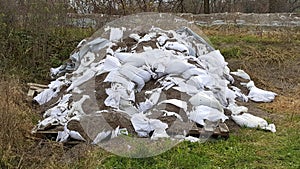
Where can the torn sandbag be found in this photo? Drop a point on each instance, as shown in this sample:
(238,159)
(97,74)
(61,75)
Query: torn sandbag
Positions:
(51,92)
(143,125)
(179,103)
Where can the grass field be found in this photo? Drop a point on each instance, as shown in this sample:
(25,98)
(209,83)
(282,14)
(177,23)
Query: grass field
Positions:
(270,55)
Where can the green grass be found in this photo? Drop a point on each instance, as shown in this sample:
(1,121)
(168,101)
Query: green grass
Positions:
(29,55)
(250,148)
(231,52)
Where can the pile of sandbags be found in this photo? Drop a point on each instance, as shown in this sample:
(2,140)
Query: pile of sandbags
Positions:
(146,82)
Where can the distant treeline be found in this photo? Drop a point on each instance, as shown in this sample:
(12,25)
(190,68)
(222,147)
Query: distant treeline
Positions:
(184,6)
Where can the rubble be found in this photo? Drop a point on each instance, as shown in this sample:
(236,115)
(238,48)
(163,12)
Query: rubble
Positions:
(149,81)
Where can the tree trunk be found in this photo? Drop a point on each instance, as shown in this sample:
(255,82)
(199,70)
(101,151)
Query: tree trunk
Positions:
(277,6)
(206,6)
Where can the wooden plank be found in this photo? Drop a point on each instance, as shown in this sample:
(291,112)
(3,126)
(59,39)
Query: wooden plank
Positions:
(35,88)
(46,132)
(223,128)
(37,85)
(30,93)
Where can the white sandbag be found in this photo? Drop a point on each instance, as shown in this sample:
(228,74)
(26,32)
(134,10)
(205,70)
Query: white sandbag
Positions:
(177,66)
(122,56)
(227,75)
(157,59)
(145,106)
(97,47)
(235,109)
(55,71)
(147,37)
(196,81)
(242,74)
(115,94)
(259,95)
(115,76)
(48,94)
(147,48)
(136,75)
(174,79)
(62,136)
(77,81)
(191,139)
(176,46)
(111,63)
(215,62)
(49,121)
(206,98)
(58,110)
(155,95)
(136,60)
(143,125)
(251,121)
(193,72)
(230,95)
(201,113)
(145,75)
(76,135)
(162,39)
(127,107)
(186,88)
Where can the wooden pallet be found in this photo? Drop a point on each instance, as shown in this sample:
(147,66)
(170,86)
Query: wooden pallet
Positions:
(210,130)
(35,88)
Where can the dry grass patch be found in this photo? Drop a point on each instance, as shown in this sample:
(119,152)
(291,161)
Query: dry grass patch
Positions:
(15,123)
(284,105)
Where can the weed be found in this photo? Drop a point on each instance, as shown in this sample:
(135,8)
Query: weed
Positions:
(231,52)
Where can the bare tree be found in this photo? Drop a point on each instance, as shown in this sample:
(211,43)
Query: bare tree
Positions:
(277,6)
(206,7)
(125,7)
(294,5)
